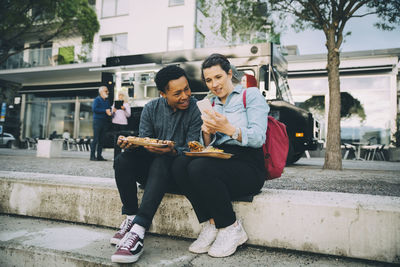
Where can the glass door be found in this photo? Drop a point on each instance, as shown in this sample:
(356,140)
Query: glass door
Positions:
(61,119)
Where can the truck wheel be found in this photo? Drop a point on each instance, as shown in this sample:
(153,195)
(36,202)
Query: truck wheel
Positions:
(292,155)
(296,157)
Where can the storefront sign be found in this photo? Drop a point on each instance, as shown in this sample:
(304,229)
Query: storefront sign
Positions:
(3,112)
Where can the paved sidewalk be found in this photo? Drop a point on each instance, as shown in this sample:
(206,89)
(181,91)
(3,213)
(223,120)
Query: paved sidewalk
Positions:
(363,177)
(38,242)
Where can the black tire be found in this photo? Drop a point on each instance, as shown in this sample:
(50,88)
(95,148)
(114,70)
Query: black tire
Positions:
(290,153)
(9,144)
(293,156)
(296,157)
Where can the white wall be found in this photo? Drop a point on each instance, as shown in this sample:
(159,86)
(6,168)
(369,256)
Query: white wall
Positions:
(147,24)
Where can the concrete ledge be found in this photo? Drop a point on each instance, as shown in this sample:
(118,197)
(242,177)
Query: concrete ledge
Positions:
(351,225)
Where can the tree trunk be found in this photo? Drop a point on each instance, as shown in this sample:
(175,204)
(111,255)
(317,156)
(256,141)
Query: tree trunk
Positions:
(333,155)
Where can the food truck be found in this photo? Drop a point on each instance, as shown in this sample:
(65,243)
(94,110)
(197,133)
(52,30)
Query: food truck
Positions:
(135,74)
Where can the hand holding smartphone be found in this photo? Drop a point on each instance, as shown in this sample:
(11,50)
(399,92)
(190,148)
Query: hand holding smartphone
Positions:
(205,105)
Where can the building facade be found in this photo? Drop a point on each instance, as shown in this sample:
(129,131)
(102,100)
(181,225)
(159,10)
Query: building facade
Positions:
(372,83)
(56,86)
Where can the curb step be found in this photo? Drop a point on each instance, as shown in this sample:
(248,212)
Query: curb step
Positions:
(350,225)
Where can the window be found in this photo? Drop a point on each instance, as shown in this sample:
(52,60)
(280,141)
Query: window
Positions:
(176,2)
(200,38)
(40,55)
(113,45)
(369,113)
(111,8)
(175,38)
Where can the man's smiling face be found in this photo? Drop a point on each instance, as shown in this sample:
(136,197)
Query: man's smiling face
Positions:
(178,93)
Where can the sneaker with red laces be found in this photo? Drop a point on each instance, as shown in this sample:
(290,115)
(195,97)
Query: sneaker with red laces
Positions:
(129,249)
(125,227)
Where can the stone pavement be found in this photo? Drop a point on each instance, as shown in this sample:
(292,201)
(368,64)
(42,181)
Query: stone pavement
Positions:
(38,242)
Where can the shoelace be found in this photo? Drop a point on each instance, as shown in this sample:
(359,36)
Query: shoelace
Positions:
(124,226)
(128,240)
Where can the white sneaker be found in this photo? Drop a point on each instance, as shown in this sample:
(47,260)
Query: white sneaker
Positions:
(228,239)
(205,239)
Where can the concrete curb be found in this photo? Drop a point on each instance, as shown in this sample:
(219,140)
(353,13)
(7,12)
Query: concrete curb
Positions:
(18,255)
(351,225)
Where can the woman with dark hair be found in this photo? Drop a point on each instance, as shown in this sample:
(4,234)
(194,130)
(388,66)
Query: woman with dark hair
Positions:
(211,183)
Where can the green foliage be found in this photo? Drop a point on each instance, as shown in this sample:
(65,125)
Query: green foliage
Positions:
(42,21)
(349,105)
(241,18)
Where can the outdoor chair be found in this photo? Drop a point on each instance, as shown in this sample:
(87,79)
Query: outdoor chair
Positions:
(349,149)
(72,144)
(374,152)
(32,143)
(87,143)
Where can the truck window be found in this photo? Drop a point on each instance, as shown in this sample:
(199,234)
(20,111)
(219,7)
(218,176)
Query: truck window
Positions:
(280,83)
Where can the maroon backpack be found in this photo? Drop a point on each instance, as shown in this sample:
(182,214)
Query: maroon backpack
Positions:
(275,148)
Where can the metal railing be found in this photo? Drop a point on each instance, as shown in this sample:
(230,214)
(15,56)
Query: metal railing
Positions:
(41,57)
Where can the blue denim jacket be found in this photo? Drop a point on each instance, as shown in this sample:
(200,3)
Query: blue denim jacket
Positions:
(251,120)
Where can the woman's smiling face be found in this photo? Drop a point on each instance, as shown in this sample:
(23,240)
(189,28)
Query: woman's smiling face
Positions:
(218,81)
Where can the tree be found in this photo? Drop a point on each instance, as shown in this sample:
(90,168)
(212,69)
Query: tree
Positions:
(331,17)
(42,21)
(236,27)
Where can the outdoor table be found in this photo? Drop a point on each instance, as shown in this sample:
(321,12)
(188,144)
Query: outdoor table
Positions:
(358,146)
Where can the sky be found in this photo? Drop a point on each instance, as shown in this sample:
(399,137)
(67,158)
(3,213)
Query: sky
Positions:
(364,36)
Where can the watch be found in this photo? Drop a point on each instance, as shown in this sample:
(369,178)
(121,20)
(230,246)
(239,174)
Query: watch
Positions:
(235,135)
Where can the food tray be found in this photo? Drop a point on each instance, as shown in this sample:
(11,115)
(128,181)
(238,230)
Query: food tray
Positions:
(143,142)
(219,155)
(140,143)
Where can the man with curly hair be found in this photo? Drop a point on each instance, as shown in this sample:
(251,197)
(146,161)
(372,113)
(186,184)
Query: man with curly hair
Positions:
(174,116)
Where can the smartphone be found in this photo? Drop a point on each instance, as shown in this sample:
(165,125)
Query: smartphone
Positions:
(205,105)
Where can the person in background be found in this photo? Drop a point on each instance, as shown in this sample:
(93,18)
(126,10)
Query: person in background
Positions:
(249,81)
(101,113)
(174,117)
(53,135)
(66,135)
(120,119)
(210,183)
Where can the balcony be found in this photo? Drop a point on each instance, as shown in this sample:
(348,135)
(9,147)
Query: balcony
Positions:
(56,56)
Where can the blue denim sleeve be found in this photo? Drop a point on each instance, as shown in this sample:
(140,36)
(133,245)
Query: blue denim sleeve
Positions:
(193,133)
(257,118)
(146,125)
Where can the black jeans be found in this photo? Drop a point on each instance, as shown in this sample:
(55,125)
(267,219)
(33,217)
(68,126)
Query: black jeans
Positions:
(211,183)
(100,127)
(117,128)
(151,170)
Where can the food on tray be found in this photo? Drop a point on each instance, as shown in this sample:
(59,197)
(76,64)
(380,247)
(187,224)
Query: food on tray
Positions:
(146,140)
(195,146)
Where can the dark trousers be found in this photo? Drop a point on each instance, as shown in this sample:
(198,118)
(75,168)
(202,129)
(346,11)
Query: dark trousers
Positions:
(210,184)
(151,170)
(99,131)
(117,129)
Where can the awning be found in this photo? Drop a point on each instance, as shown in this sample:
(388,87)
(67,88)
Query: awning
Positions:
(343,71)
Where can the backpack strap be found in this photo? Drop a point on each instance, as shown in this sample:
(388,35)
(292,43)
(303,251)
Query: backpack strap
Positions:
(244,98)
